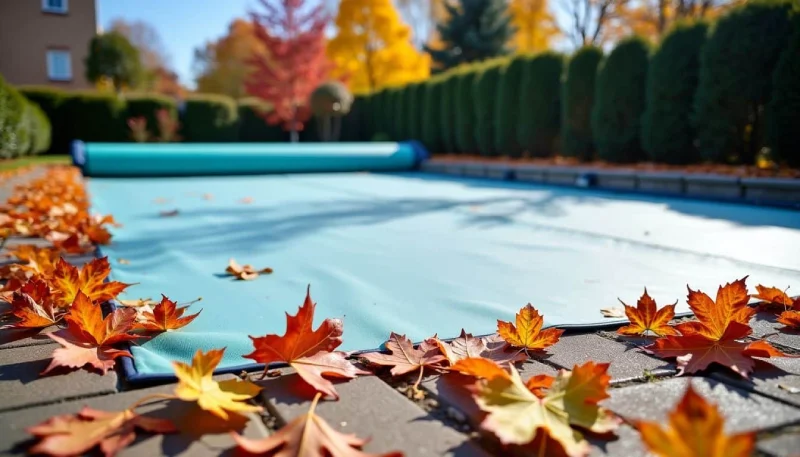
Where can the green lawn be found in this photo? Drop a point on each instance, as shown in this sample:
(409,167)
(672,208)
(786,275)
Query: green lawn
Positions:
(34,160)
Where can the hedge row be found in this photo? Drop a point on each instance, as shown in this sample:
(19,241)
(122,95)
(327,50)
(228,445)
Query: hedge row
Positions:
(720,93)
(24,127)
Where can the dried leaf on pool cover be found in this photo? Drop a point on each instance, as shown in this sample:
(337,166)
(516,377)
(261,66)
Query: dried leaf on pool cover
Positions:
(88,338)
(307,436)
(34,307)
(196,384)
(76,434)
(493,348)
(695,429)
(246,200)
(612,312)
(244,272)
(517,413)
(170,213)
(528,333)
(308,351)
(90,279)
(647,317)
(716,336)
(774,299)
(166,316)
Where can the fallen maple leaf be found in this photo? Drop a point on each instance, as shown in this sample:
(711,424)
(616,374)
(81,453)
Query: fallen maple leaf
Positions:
(716,336)
(88,338)
(308,351)
(516,414)
(695,429)
(40,260)
(404,359)
(790,319)
(776,299)
(70,435)
(528,333)
(90,279)
(170,213)
(306,436)
(34,307)
(208,197)
(196,384)
(166,316)
(246,200)
(612,312)
(646,318)
(466,346)
(244,272)
(479,367)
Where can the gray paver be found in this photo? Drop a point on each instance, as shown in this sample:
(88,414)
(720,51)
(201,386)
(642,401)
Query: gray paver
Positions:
(608,179)
(743,410)
(14,423)
(21,385)
(664,183)
(626,443)
(627,361)
(781,446)
(372,409)
(767,377)
(714,186)
(764,324)
(33,340)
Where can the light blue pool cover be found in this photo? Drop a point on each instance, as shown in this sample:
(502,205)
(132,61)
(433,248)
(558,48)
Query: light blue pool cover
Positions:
(418,254)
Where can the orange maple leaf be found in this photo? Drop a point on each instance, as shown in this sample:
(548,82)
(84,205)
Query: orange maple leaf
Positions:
(40,260)
(528,333)
(404,359)
(695,429)
(776,299)
(479,367)
(492,347)
(90,279)
(646,318)
(34,307)
(308,351)
(790,318)
(166,316)
(715,316)
(88,338)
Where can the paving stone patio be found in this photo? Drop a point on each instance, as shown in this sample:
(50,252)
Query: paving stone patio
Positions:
(443,424)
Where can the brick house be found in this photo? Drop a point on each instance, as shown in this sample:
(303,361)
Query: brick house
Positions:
(45,42)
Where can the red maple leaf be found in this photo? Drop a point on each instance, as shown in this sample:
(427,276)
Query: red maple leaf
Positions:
(646,317)
(166,316)
(90,279)
(33,306)
(403,358)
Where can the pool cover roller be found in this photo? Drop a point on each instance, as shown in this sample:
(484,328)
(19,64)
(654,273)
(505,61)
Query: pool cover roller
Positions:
(199,159)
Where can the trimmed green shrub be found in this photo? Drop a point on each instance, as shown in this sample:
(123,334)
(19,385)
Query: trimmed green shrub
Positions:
(507,107)
(356,125)
(378,112)
(94,116)
(40,128)
(667,132)
(50,100)
(484,92)
(414,111)
(577,100)
(389,113)
(15,126)
(447,111)
(783,111)
(539,119)
(208,118)
(620,102)
(736,66)
(402,103)
(465,111)
(146,105)
(253,126)
(432,134)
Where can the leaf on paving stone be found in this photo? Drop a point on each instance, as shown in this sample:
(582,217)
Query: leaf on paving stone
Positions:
(69,435)
(244,272)
(612,312)
(493,348)
(516,414)
(404,359)
(196,384)
(88,338)
(90,279)
(479,367)
(169,213)
(790,389)
(528,333)
(166,316)
(790,319)
(647,318)
(307,436)
(308,351)
(695,429)
(774,299)
(34,307)
(716,337)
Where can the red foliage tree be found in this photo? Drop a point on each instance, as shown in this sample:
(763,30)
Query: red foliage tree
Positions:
(295,63)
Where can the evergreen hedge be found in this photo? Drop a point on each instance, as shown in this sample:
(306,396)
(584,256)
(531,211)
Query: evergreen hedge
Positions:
(432,134)
(667,132)
(253,127)
(508,106)
(735,83)
(484,93)
(41,129)
(208,118)
(465,110)
(783,111)
(447,111)
(539,119)
(356,124)
(50,100)
(577,101)
(620,102)
(94,116)
(146,105)
(414,112)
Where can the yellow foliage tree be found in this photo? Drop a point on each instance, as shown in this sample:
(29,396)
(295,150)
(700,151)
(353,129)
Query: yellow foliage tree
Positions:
(372,47)
(536,26)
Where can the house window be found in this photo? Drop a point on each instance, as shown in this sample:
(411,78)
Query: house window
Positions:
(59,65)
(55,6)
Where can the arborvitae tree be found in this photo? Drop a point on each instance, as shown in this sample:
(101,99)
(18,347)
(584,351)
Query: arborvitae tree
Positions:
(484,90)
(401,120)
(447,107)
(577,100)
(736,66)
(473,30)
(783,111)
(539,117)
(507,107)
(465,111)
(432,134)
(667,133)
(619,102)
(414,111)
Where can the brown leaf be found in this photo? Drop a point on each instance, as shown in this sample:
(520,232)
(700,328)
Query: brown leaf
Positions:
(493,348)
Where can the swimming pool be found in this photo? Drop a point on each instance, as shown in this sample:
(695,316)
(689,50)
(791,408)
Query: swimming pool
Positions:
(419,254)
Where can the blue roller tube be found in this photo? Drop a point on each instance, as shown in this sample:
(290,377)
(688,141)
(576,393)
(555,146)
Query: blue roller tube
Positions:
(198,159)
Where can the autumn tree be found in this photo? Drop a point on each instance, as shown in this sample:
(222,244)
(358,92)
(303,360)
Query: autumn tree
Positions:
(372,47)
(534,23)
(113,57)
(652,18)
(221,66)
(293,34)
(594,21)
(474,30)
